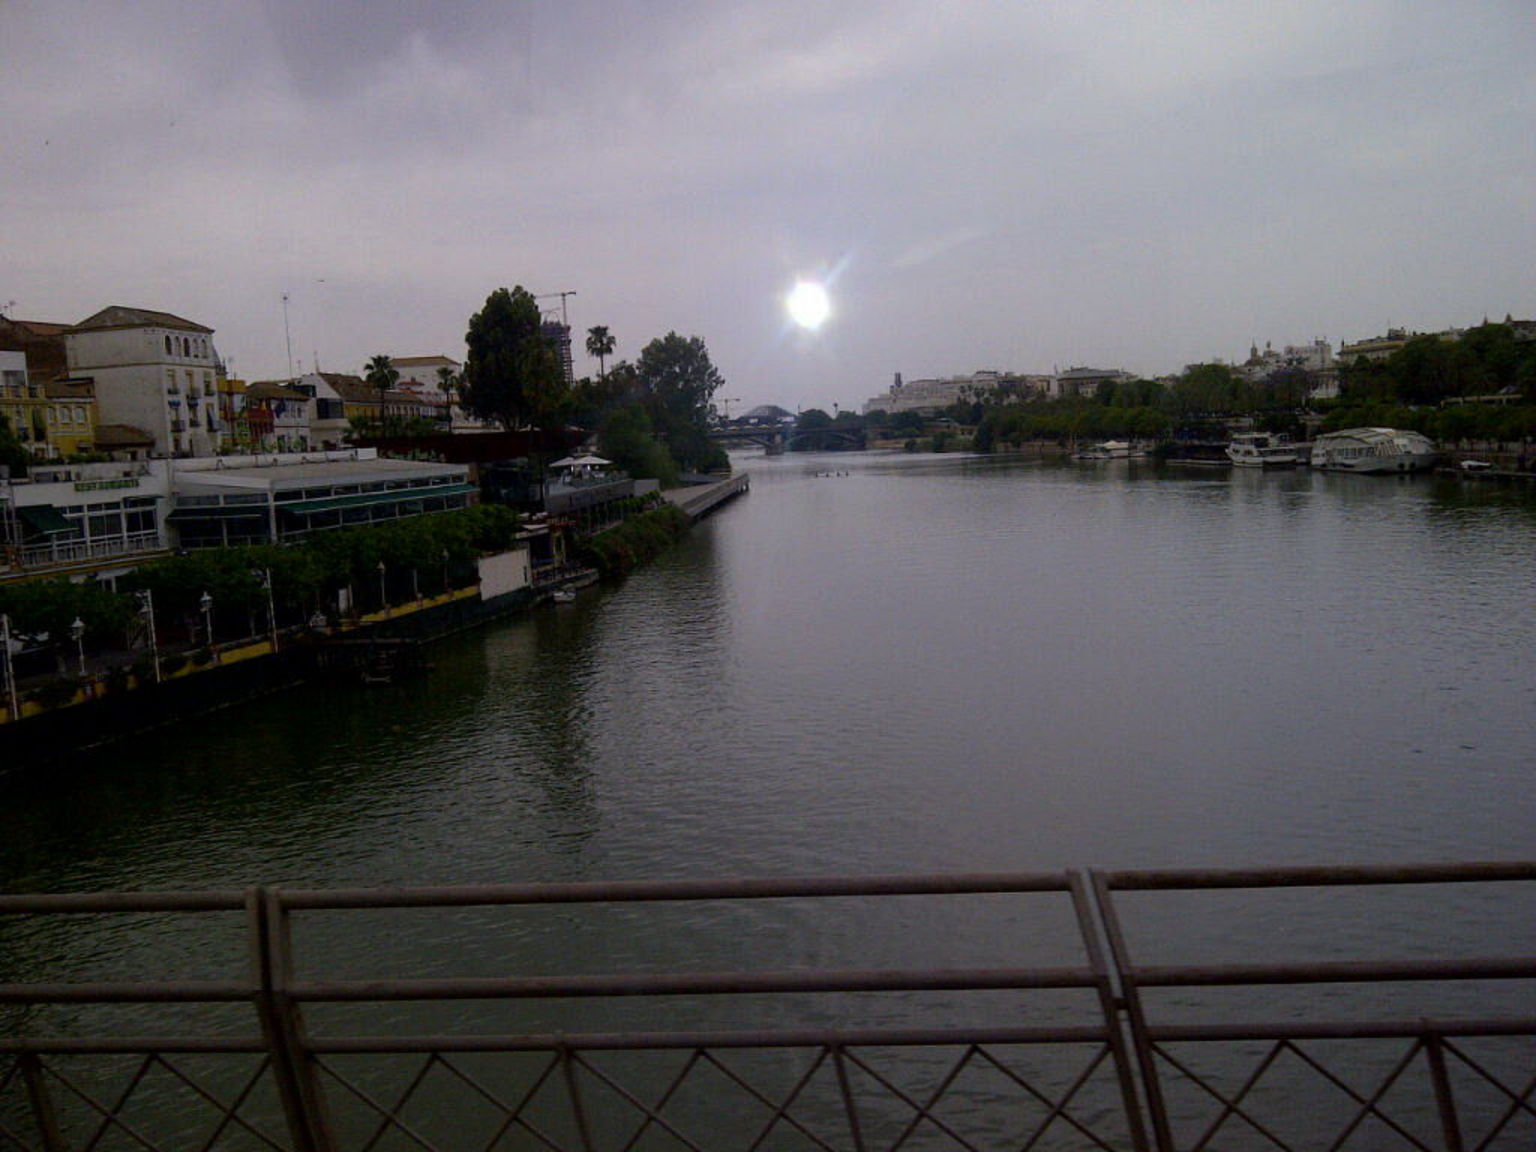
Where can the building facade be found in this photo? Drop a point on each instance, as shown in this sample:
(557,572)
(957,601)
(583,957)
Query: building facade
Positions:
(151,371)
(260,500)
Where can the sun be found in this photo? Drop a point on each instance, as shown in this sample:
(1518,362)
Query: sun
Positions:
(808,305)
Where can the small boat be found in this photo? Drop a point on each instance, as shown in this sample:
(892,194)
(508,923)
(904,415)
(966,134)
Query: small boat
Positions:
(1261,450)
(1110,450)
(1475,466)
(1373,450)
(563,595)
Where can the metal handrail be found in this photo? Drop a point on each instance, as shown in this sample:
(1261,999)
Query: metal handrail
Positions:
(1120,1032)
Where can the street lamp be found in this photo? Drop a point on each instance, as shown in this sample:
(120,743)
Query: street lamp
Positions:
(77,633)
(147,611)
(415,587)
(264,578)
(10,672)
(383,594)
(445,571)
(205,602)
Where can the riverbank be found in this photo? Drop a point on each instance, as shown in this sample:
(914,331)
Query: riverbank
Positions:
(105,708)
(70,714)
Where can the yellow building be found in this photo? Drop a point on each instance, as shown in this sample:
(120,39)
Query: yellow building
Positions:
(22,404)
(71,417)
(52,414)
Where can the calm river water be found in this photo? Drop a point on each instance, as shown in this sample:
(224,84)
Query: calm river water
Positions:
(914,663)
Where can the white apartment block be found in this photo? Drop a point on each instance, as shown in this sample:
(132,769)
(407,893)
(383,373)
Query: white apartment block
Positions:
(152,371)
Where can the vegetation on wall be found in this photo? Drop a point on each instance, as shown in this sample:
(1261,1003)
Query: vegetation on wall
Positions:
(618,550)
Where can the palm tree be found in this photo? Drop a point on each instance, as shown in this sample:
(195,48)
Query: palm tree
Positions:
(448,381)
(600,344)
(383,375)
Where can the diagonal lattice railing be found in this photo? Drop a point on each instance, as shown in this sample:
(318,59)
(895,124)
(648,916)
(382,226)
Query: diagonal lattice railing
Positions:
(1115,1074)
(1443,1113)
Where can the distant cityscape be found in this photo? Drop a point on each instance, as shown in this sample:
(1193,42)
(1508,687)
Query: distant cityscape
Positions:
(1316,362)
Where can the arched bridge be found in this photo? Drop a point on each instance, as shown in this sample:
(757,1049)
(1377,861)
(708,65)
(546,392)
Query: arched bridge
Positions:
(774,440)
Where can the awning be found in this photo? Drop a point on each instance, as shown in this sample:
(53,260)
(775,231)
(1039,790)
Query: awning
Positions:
(46,520)
(220,512)
(364,499)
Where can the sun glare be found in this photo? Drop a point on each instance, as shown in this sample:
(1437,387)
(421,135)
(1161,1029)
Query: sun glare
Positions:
(808,305)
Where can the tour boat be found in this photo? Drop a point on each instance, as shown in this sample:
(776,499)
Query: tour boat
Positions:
(1373,450)
(1261,450)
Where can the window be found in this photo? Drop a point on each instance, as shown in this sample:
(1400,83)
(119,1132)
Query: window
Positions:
(168,351)
(103,524)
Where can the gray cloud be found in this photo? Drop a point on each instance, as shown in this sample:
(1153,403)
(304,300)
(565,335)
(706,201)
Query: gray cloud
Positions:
(996,185)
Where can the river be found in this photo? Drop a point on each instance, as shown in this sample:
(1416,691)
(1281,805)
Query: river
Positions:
(883,663)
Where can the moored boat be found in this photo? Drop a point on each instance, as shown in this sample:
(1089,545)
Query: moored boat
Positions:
(1261,450)
(1374,450)
(1110,450)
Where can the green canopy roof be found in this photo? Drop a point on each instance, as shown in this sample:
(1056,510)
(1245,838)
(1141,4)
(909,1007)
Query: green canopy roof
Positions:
(220,512)
(363,499)
(46,520)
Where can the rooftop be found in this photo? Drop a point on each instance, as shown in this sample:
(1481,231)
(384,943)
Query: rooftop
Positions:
(118,316)
(272,476)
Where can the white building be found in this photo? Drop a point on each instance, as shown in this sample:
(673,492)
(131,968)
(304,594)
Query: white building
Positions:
(106,518)
(934,395)
(152,371)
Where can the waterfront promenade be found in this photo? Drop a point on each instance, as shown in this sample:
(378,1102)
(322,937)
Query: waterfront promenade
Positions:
(699,500)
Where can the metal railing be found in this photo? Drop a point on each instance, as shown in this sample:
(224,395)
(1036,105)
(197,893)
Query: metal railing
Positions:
(1115,1071)
(133,544)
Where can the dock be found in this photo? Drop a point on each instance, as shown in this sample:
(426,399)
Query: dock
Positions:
(699,500)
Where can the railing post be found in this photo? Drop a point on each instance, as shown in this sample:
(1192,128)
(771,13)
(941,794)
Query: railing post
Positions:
(1445,1101)
(282,1026)
(1109,1008)
(1136,1020)
(573,1090)
(42,1103)
(855,1133)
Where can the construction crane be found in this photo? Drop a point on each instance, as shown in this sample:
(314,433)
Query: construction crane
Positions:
(550,296)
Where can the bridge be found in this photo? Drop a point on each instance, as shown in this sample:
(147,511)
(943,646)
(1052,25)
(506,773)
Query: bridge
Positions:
(1106,1051)
(775,439)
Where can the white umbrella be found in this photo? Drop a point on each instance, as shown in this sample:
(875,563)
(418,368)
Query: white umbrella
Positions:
(567,462)
(590,461)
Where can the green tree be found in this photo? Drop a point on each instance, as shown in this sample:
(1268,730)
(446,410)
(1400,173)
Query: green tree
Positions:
(12,453)
(627,438)
(600,343)
(512,374)
(909,421)
(677,379)
(383,375)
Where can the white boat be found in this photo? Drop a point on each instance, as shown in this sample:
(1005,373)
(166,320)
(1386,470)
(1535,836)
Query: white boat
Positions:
(1373,450)
(1261,450)
(1110,450)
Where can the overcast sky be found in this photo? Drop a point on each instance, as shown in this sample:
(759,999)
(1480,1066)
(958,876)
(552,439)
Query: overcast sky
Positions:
(1012,185)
